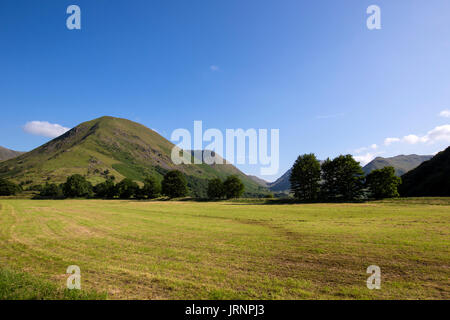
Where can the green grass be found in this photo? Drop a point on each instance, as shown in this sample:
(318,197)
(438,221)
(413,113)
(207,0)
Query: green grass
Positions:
(22,286)
(231,250)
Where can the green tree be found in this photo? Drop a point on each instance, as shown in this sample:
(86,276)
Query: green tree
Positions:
(343,179)
(305,177)
(77,186)
(174,184)
(127,188)
(151,188)
(233,187)
(105,190)
(383,183)
(51,191)
(8,188)
(215,189)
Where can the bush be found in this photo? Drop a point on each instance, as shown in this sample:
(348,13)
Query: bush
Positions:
(233,187)
(77,186)
(216,189)
(174,184)
(7,188)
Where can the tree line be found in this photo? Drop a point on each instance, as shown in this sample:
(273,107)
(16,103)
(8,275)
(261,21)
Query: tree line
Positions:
(340,179)
(173,185)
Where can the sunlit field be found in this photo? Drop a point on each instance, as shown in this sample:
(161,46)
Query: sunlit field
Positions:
(225,250)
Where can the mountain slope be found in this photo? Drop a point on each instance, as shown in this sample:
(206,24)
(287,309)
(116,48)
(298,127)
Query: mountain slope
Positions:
(6,154)
(282,183)
(113,146)
(431,178)
(401,164)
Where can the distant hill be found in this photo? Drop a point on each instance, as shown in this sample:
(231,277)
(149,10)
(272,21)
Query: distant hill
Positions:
(282,183)
(431,178)
(258,180)
(112,146)
(6,154)
(401,164)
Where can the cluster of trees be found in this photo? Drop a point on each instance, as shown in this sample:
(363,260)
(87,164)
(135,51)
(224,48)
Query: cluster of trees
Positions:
(340,179)
(232,187)
(173,185)
(7,188)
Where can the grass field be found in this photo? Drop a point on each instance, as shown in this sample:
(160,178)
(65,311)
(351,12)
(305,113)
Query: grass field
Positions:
(226,250)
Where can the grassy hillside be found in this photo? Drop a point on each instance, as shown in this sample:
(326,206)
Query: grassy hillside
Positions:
(431,178)
(118,146)
(232,250)
(6,154)
(401,164)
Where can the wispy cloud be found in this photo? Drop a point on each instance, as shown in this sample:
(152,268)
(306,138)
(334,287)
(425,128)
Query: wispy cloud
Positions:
(214,68)
(445,113)
(329,116)
(44,129)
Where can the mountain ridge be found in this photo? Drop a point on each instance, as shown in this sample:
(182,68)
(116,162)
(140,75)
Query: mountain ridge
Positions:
(401,163)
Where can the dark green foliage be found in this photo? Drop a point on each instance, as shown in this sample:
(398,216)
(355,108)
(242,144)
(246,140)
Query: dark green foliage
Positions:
(151,189)
(51,191)
(127,189)
(233,186)
(430,179)
(77,186)
(216,189)
(7,188)
(105,190)
(174,184)
(343,179)
(198,187)
(305,177)
(383,183)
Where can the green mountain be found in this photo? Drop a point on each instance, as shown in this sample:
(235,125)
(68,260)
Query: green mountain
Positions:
(401,164)
(6,154)
(112,146)
(431,178)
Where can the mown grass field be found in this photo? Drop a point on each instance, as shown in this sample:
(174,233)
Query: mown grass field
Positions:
(227,250)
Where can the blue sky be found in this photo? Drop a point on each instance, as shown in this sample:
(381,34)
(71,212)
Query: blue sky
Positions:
(309,68)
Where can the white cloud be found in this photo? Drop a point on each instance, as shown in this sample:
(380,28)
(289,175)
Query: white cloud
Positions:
(45,129)
(440,133)
(371,147)
(389,141)
(214,68)
(366,158)
(445,113)
(413,139)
